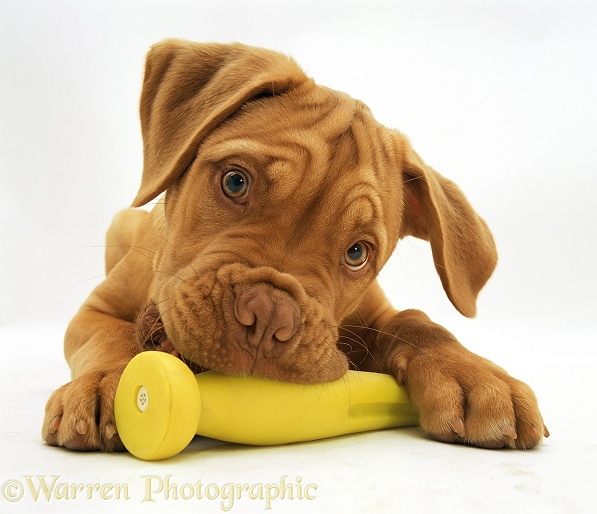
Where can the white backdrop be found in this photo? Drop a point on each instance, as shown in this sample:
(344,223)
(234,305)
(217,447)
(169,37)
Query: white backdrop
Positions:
(499,96)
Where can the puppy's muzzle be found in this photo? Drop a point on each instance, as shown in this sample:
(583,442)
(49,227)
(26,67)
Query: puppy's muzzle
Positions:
(268,317)
(238,319)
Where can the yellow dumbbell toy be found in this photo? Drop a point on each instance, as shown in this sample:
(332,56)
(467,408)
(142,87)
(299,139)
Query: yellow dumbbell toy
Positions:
(160,405)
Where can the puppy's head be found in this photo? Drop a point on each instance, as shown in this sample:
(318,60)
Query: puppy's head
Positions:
(283,201)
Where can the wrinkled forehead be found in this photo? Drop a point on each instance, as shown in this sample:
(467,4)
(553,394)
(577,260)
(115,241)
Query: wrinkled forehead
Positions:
(321,159)
(300,139)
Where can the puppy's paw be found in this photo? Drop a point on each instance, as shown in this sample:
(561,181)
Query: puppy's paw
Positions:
(80,414)
(467,399)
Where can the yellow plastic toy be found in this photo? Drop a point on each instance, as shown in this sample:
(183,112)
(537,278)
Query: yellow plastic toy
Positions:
(160,405)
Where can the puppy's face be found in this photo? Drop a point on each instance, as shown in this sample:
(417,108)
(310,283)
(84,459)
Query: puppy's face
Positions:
(283,201)
(285,216)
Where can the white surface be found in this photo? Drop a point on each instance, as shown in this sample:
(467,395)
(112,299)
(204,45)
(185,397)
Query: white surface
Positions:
(389,471)
(498,95)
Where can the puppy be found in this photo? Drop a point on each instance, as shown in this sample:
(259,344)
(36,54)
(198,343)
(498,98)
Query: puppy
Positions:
(283,200)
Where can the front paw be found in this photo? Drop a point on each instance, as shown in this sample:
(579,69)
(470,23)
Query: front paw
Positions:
(463,398)
(80,414)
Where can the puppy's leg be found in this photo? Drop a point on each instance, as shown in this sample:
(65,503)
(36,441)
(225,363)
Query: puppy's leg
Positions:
(80,414)
(461,397)
(99,342)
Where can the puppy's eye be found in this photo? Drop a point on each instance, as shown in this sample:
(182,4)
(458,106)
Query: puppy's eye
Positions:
(235,183)
(356,256)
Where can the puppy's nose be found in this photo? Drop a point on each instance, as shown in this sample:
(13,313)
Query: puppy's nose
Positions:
(270,315)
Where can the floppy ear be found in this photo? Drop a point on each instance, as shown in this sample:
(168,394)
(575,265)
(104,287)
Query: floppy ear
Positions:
(190,88)
(463,249)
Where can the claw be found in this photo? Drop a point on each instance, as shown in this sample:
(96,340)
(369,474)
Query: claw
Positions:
(509,431)
(82,427)
(54,424)
(458,427)
(110,431)
(401,376)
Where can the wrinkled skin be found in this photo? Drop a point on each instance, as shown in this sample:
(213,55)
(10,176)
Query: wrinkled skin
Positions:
(272,270)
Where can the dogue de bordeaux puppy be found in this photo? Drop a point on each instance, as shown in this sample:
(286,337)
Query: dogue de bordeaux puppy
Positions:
(283,200)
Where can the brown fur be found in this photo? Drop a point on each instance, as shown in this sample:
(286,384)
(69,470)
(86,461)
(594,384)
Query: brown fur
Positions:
(258,284)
